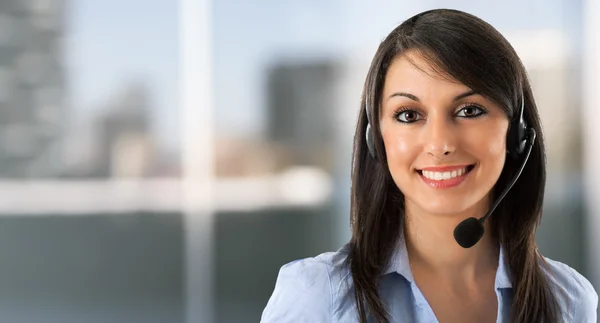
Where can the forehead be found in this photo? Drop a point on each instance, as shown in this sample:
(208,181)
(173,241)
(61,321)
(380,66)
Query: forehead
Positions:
(413,73)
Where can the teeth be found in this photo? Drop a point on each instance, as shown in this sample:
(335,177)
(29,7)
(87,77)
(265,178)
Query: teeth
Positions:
(438,176)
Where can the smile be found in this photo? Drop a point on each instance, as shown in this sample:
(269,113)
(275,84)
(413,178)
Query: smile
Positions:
(445,177)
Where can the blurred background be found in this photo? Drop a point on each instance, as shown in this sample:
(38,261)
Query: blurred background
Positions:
(161,160)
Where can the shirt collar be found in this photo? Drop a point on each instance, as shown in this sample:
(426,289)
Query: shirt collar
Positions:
(503,279)
(400,264)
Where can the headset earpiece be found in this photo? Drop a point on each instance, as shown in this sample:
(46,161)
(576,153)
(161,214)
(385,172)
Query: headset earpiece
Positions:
(370,140)
(369,132)
(517,136)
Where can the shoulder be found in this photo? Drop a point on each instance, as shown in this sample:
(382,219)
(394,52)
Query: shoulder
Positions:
(306,289)
(574,292)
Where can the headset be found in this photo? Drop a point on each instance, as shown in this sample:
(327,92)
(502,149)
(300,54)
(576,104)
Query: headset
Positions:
(519,139)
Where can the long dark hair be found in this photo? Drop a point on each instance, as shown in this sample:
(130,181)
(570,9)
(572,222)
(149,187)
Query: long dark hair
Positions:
(466,48)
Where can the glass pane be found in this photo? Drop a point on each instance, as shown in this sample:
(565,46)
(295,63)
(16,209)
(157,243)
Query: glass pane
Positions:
(90,215)
(288,80)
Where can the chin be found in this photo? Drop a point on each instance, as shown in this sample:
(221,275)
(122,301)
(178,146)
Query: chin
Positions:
(444,210)
(443,206)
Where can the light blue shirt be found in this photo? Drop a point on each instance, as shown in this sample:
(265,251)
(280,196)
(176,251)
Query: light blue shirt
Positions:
(319,289)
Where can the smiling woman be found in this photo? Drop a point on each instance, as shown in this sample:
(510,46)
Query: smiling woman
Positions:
(445,101)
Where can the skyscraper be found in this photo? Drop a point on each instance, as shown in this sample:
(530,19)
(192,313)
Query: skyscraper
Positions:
(32,88)
(301,110)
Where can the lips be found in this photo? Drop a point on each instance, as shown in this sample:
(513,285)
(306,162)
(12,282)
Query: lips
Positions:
(445,177)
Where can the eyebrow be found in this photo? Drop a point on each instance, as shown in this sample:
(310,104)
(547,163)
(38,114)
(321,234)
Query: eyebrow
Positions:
(415,98)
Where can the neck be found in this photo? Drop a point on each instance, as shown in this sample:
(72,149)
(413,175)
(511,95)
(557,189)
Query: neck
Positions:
(432,248)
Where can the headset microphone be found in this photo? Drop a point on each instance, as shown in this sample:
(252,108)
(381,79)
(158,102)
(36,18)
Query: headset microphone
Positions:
(469,232)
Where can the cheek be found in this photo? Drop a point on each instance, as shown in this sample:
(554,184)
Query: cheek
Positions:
(401,151)
(398,146)
(493,146)
(492,142)
(488,145)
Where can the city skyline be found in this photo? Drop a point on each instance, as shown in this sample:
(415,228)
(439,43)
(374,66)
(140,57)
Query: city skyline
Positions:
(142,42)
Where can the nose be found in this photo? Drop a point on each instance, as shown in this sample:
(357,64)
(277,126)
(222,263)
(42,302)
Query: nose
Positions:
(440,137)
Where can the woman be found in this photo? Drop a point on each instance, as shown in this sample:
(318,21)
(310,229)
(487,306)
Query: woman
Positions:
(447,123)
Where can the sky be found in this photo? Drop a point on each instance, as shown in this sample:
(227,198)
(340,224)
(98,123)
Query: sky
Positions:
(111,43)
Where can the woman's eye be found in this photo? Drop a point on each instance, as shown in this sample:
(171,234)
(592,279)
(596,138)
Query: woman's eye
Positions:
(407,116)
(471,111)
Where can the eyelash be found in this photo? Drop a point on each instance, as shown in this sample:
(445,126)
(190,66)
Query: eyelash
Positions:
(482,111)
